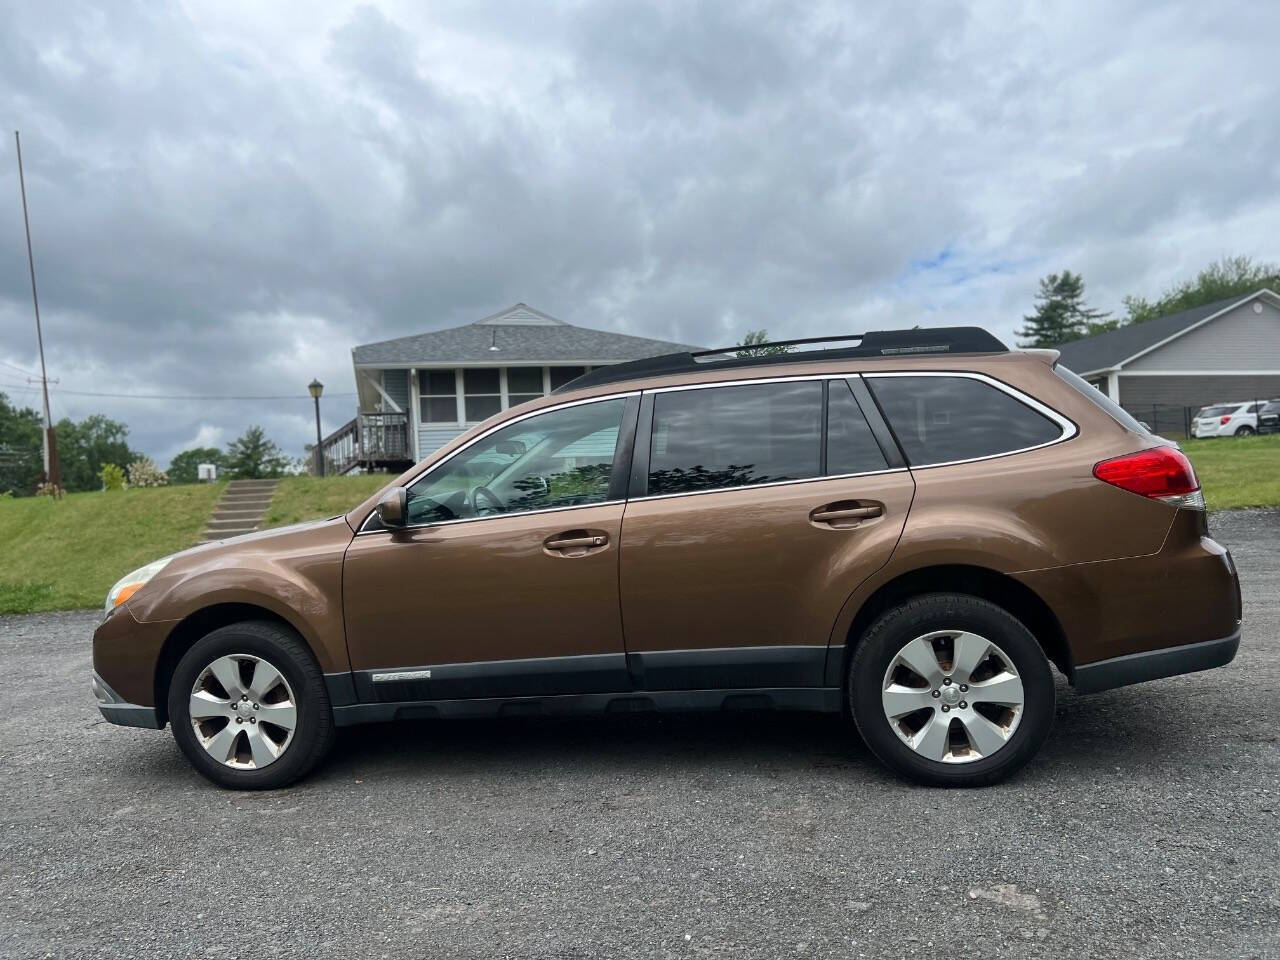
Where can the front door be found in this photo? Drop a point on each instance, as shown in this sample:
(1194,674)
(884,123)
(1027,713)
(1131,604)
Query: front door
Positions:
(763,507)
(504,583)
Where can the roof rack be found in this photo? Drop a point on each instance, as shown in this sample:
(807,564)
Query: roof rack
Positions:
(878,343)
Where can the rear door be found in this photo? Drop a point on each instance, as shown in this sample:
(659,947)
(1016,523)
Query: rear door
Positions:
(756,509)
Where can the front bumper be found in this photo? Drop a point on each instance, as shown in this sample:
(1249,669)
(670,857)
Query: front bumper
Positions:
(1154,664)
(117,710)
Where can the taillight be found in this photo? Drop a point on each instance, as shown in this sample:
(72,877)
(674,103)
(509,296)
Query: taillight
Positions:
(1160,473)
(1226,419)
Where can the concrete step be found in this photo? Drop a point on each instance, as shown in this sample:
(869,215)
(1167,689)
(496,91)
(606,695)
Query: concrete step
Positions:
(235,513)
(246,484)
(216,524)
(244,502)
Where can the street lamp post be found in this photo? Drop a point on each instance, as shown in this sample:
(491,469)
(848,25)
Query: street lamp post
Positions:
(315,387)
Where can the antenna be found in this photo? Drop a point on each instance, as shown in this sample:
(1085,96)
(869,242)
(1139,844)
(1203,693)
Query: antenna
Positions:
(51,472)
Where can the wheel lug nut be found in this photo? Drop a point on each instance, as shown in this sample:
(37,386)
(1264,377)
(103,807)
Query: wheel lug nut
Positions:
(253,719)
(945,708)
(964,687)
(963,704)
(946,681)
(937,694)
(255,706)
(238,720)
(244,698)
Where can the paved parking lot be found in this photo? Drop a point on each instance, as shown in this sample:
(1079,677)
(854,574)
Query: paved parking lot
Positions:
(1149,826)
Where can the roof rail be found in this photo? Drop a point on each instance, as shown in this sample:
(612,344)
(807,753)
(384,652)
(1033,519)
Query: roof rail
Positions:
(878,343)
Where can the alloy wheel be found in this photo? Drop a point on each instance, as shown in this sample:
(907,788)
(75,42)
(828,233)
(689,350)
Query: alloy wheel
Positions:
(952,696)
(243,711)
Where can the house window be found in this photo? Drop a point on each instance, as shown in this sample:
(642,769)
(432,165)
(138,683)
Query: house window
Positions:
(483,393)
(562,375)
(523,384)
(439,403)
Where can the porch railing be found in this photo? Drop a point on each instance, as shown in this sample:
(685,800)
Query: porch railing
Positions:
(367,440)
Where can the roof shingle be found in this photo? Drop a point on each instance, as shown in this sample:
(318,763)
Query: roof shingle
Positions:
(517,342)
(1106,350)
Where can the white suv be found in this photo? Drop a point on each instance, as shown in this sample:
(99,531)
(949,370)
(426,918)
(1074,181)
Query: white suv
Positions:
(1227,420)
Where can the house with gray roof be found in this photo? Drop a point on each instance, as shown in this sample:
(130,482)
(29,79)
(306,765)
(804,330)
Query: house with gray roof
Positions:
(418,392)
(1220,352)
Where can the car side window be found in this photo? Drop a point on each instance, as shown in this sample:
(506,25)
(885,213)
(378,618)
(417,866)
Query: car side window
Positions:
(719,437)
(851,446)
(561,458)
(944,419)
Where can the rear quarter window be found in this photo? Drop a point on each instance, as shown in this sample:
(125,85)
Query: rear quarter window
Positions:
(942,419)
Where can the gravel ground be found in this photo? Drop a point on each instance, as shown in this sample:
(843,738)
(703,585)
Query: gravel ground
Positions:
(1148,826)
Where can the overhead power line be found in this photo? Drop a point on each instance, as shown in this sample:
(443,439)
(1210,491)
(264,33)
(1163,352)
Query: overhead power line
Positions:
(188,396)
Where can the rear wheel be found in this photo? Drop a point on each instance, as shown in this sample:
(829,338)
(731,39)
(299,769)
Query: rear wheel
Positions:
(951,690)
(1245,431)
(249,707)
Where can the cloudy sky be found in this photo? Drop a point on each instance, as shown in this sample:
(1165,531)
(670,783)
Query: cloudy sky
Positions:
(227,196)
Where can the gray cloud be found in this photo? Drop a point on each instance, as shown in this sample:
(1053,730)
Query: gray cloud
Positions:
(226,198)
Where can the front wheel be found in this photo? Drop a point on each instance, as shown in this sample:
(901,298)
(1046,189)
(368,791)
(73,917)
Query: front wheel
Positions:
(951,690)
(249,707)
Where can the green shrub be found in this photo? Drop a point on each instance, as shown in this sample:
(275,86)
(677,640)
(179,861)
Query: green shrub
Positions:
(113,477)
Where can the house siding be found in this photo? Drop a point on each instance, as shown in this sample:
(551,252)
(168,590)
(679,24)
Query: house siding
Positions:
(432,437)
(1240,340)
(1139,394)
(396,383)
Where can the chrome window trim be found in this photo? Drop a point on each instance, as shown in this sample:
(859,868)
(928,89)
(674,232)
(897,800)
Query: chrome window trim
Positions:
(476,439)
(1067,426)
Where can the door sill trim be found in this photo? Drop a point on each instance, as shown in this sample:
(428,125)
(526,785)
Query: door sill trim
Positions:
(811,699)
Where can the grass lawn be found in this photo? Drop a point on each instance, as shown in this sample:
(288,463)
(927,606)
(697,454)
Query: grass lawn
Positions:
(314,498)
(1237,472)
(66,554)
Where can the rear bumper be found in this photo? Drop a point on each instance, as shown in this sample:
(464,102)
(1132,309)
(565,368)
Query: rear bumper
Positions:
(1154,664)
(118,711)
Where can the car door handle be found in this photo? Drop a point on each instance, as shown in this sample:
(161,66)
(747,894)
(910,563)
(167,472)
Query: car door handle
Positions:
(837,514)
(576,543)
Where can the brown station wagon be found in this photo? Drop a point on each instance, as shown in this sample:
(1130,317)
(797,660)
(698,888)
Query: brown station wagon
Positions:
(910,529)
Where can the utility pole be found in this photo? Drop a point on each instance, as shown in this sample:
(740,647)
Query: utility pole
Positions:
(51,472)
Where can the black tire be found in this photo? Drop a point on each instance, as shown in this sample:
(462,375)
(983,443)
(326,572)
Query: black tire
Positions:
(283,649)
(893,630)
(1245,431)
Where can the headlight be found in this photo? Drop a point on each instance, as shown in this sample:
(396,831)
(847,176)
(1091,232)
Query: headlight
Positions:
(129,584)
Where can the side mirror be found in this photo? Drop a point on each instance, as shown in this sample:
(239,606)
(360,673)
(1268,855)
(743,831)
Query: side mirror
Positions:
(393,507)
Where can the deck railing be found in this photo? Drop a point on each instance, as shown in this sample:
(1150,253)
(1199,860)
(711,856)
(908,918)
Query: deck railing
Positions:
(367,440)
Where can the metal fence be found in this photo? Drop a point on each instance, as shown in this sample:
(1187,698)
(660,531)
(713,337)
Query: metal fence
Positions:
(1169,420)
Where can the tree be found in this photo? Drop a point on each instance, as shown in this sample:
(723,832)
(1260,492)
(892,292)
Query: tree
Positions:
(1061,314)
(84,447)
(252,456)
(1228,277)
(752,349)
(183,467)
(21,460)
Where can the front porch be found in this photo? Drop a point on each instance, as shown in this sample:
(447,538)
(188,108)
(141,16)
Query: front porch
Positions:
(407,412)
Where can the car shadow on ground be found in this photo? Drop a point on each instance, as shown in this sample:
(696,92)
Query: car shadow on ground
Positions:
(1133,728)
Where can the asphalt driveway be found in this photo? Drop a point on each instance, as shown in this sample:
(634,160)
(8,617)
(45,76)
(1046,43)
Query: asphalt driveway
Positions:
(1149,826)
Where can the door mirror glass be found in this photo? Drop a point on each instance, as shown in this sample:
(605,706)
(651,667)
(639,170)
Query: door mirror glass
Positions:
(391,507)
